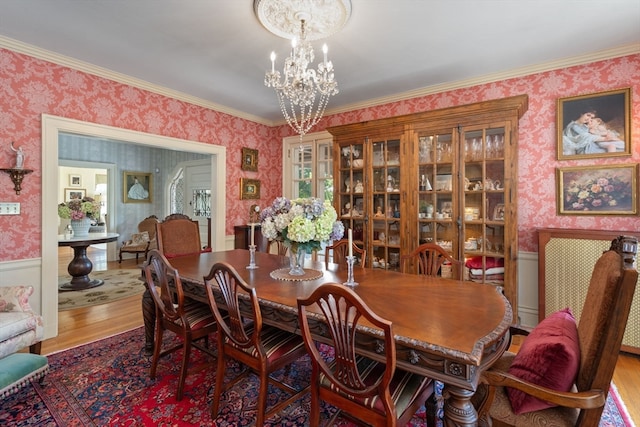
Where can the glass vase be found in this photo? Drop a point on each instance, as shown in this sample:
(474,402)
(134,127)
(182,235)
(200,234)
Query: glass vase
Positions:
(296,259)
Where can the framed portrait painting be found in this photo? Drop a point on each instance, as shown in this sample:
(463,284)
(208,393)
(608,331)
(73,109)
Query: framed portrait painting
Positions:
(137,187)
(74,193)
(597,190)
(249,188)
(596,125)
(249,160)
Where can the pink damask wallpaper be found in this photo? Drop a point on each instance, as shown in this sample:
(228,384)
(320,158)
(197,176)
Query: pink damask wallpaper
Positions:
(537,135)
(30,87)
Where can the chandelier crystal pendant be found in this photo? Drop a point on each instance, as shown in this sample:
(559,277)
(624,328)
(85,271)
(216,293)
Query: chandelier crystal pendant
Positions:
(303,92)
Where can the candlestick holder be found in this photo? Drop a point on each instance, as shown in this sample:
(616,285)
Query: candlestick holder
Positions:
(252,258)
(350,281)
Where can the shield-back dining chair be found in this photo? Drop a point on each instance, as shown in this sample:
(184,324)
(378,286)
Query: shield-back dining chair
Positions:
(190,320)
(430,257)
(370,391)
(243,337)
(339,251)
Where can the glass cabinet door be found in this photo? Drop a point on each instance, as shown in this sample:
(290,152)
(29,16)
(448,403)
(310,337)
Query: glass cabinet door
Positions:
(483,209)
(435,184)
(386,203)
(350,187)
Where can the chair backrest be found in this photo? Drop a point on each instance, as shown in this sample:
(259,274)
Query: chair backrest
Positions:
(178,235)
(281,249)
(149,225)
(430,258)
(164,284)
(342,310)
(340,250)
(225,279)
(604,316)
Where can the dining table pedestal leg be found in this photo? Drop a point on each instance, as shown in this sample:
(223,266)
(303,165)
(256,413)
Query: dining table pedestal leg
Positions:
(458,409)
(79,269)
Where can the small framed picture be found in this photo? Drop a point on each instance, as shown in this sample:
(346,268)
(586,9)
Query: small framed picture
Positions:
(249,188)
(249,160)
(137,187)
(597,190)
(498,212)
(74,193)
(75,180)
(596,125)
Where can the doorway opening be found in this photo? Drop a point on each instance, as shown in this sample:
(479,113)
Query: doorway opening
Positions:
(52,126)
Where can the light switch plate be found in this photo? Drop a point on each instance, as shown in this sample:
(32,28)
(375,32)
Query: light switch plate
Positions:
(9,208)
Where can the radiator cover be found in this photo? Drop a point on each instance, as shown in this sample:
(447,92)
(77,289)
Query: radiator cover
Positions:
(565,263)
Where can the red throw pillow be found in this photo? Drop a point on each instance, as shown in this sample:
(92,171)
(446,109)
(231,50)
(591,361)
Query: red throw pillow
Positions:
(550,357)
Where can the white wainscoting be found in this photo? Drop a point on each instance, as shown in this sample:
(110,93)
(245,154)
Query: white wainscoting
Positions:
(528,288)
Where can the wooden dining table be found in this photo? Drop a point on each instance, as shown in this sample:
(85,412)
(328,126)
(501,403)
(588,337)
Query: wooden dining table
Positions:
(445,329)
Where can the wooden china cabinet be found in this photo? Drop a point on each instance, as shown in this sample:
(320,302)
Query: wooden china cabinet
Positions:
(446,176)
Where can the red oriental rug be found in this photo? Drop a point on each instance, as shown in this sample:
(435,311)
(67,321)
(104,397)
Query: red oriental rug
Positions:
(106,383)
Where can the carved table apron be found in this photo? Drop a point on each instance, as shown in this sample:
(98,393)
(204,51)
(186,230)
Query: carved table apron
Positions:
(445,329)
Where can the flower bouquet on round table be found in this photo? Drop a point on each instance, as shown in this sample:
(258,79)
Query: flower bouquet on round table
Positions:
(80,212)
(302,225)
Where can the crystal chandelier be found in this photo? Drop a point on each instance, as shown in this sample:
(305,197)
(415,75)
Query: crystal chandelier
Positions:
(303,93)
(303,89)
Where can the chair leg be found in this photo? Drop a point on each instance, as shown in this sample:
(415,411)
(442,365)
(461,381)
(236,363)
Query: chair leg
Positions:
(431,411)
(219,385)
(262,398)
(186,352)
(314,417)
(35,348)
(120,261)
(157,346)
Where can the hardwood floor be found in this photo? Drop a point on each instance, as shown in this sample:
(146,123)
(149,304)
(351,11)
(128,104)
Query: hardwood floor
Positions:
(89,324)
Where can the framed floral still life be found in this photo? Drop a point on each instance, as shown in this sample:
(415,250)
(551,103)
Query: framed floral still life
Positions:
(596,125)
(137,187)
(249,160)
(249,188)
(597,190)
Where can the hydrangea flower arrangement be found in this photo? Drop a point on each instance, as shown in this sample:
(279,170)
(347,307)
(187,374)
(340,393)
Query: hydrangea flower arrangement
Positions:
(301,223)
(79,208)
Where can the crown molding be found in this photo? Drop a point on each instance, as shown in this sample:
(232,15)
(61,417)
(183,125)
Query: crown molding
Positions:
(66,61)
(625,50)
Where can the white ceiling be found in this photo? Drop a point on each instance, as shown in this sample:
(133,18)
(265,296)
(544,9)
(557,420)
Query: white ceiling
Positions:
(216,51)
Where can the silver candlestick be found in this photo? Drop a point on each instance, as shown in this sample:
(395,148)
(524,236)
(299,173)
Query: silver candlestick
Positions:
(252,258)
(350,281)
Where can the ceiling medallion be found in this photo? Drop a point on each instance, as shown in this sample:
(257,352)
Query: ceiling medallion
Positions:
(323,17)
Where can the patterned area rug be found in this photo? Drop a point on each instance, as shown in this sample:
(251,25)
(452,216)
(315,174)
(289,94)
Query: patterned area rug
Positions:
(106,383)
(118,284)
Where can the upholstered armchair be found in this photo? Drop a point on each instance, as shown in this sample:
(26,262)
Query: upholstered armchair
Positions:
(562,372)
(143,241)
(20,326)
